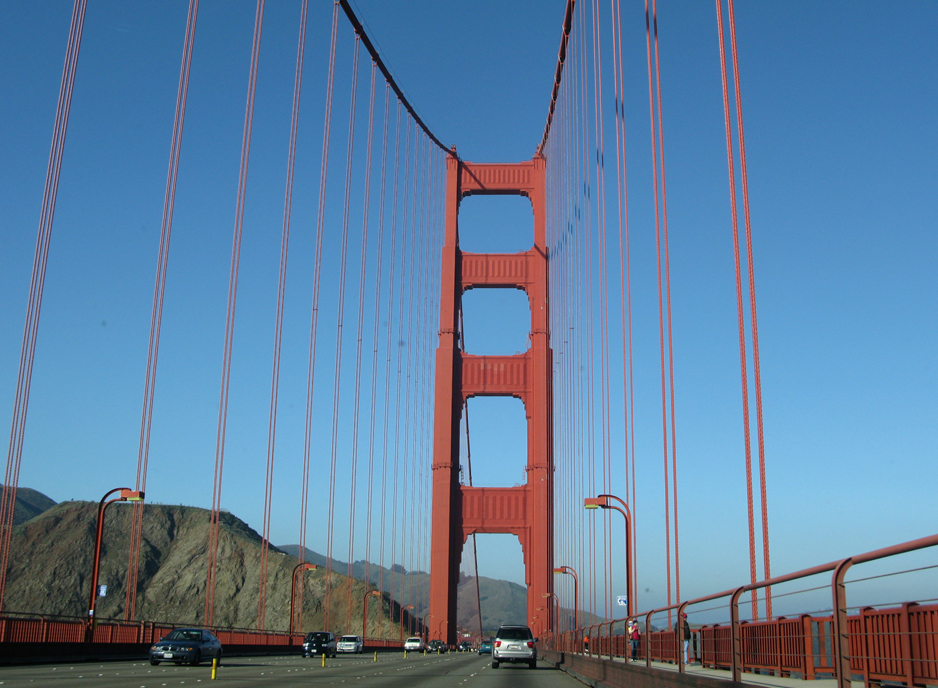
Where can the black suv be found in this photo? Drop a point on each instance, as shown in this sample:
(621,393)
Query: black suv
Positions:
(319,643)
(437,646)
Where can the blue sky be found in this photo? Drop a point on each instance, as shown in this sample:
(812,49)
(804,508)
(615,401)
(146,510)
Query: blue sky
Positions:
(840,111)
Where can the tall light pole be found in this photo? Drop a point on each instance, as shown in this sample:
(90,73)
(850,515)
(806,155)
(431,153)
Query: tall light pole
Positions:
(576,593)
(403,609)
(305,566)
(603,502)
(365,612)
(126,495)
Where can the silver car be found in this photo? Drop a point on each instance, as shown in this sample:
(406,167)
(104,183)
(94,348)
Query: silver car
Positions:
(350,643)
(514,644)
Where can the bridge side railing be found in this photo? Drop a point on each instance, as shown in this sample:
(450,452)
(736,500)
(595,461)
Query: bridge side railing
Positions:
(892,643)
(27,628)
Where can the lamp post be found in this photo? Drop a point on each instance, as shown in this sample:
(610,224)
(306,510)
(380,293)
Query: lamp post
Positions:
(548,595)
(305,566)
(576,593)
(365,612)
(403,609)
(426,630)
(126,495)
(603,502)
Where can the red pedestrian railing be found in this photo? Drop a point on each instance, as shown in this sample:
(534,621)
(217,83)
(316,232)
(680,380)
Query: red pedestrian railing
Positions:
(891,643)
(24,628)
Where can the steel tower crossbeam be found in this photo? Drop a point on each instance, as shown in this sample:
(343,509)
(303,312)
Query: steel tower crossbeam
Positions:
(458,510)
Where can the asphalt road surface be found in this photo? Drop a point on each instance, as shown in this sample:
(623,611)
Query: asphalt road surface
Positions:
(454,670)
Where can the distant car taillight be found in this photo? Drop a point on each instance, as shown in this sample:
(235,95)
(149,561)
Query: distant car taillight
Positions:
(530,644)
(498,643)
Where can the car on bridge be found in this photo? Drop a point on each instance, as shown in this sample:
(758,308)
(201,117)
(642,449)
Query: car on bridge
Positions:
(437,646)
(514,644)
(485,646)
(351,643)
(186,646)
(319,643)
(414,643)
(465,646)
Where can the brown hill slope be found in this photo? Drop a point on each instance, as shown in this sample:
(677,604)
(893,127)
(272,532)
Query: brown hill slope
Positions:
(29,504)
(51,563)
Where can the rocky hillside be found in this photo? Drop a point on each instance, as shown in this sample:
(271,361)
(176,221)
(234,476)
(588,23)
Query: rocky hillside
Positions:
(29,504)
(51,562)
(502,602)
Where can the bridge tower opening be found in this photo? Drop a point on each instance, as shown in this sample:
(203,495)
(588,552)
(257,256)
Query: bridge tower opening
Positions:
(525,510)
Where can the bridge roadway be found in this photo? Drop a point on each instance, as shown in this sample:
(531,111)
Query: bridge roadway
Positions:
(454,670)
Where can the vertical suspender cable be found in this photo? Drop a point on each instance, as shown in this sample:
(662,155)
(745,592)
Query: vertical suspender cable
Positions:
(340,315)
(379,263)
(407,492)
(667,275)
(756,371)
(397,389)
(317,271)
(156,316)
(278,328)
(36,286)
(358,349)
(598,93)
(388,346)
(664,420)
(739,312)
(229,327)
(625,290)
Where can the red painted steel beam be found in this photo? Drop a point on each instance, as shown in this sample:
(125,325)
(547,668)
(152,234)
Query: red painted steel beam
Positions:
(457,511)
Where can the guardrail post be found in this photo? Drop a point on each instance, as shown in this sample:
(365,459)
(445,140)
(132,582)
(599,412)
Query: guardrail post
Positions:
(905,643)
(648,639)
(807,648)
(841,640)
(736,635)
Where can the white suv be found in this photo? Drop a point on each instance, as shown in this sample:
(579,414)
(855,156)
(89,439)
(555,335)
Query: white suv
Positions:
(514,644)
(350,643)
(414,643)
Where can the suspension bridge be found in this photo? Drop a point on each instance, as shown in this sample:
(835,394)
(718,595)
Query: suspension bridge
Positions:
(360,287)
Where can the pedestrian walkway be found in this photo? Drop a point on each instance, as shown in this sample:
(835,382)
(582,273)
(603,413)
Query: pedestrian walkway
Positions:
(751,678)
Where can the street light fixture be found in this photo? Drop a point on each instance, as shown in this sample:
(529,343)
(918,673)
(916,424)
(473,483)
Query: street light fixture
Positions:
(305,566)
(603,502)
(576,593)
(365,612)
(403,609)
(126,495)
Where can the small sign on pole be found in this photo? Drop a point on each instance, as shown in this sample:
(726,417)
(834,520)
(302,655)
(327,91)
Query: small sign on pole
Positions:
(622,601)
(102,591)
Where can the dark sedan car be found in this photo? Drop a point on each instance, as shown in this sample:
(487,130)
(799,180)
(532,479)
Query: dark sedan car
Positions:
(186,645)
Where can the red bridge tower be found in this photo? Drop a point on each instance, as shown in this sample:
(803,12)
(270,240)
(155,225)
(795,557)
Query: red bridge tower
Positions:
(458,510)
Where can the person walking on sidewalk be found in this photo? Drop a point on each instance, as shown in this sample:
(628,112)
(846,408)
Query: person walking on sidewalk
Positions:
(682,624)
